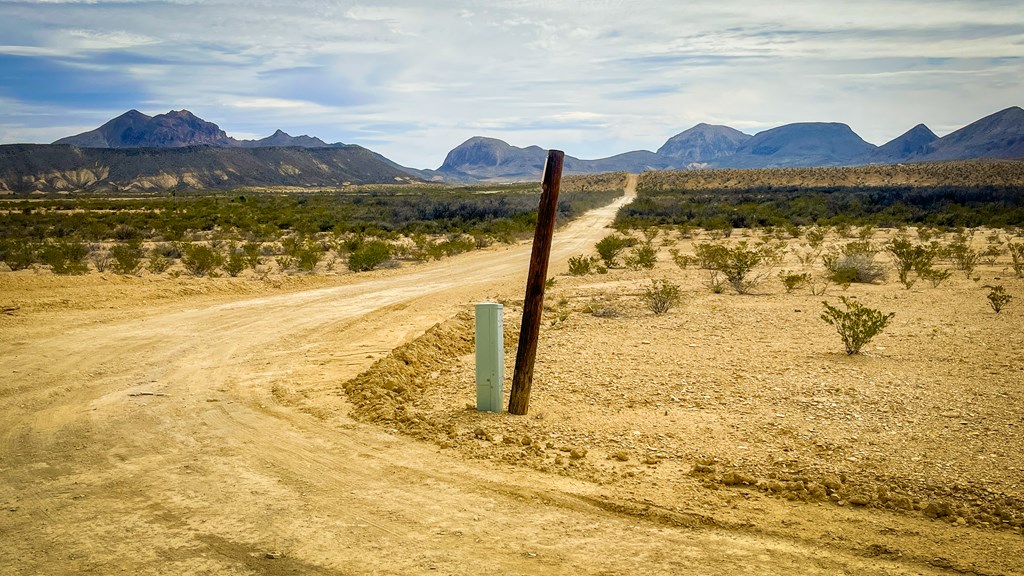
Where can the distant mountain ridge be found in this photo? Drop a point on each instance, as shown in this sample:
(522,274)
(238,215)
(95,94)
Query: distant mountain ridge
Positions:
(799,145)
(913,142)
(703,143)
(177,129)
(27,168)
(179,149)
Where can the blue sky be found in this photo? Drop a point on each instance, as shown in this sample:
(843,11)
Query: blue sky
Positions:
(412,79)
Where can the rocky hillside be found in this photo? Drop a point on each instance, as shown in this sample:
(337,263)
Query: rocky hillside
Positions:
(492,159)
(801,144)
(60,168)
(176,129)
(702,144)
(1000,135)
(913,142)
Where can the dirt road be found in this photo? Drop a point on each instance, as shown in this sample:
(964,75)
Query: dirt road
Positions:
(212,439)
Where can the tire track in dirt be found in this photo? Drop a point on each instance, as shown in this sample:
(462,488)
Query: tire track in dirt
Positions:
(216,475)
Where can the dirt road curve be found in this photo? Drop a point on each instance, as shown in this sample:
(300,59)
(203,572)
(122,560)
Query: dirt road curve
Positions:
(168,441)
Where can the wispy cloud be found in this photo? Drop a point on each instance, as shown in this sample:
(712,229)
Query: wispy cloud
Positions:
(593,77)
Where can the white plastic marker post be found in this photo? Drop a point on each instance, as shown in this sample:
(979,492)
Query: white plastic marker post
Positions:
(490,357)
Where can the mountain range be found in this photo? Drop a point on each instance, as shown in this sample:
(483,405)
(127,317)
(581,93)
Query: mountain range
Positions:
(177,129)
(799,145)
(179,149)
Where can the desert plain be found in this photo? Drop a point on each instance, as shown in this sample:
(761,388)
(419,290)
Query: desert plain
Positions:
(325,424)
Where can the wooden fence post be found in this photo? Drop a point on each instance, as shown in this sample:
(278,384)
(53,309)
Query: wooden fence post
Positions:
(533,304)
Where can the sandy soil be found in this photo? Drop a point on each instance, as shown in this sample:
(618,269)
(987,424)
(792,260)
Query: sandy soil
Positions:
(202,427)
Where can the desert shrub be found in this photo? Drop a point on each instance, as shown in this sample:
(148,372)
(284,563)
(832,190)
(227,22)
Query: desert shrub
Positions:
(581,265)
(65,257)
(126,258)
(1017,257)
(643,257)
(559,313)
(709,253)
(601,309)
(18,254)
(661,296)
(855,262)
(964,257)
(251,252)
(998,298)
(309,256)
(990,254)
(611,246)
(819,284)
(285,263)
(716,282)
(301,253)
(856,325)
(815,237)
(369,255)
(235,262)
(908,257)
(169,250)
(450,246)
(737,264)
(927,234)
(158,264)
(934,275)
(100,258)
(125,233)
(793,281)
(200,259)
(684,261)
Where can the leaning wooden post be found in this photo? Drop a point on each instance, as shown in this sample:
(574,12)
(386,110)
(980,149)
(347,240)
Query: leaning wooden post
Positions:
(522,378)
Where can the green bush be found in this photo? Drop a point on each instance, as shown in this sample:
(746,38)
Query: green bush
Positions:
(65,257)
(998,298)
(369,255)
(126,258)
(855,262)
(963,256)
(611,246)
(158,264)
(934,275)
(816,237)
(661,296)
(793,281)
(908,257)
(200,259)
(18,254)
(581,265)
(125,233)
(251,250)
(708,254)
(1017,256)
(856,325)
(738,263)
(309,256)
(643,257)
(235,262)
(682,260)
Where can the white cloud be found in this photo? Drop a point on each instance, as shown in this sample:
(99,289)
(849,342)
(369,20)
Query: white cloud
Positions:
(597,77)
